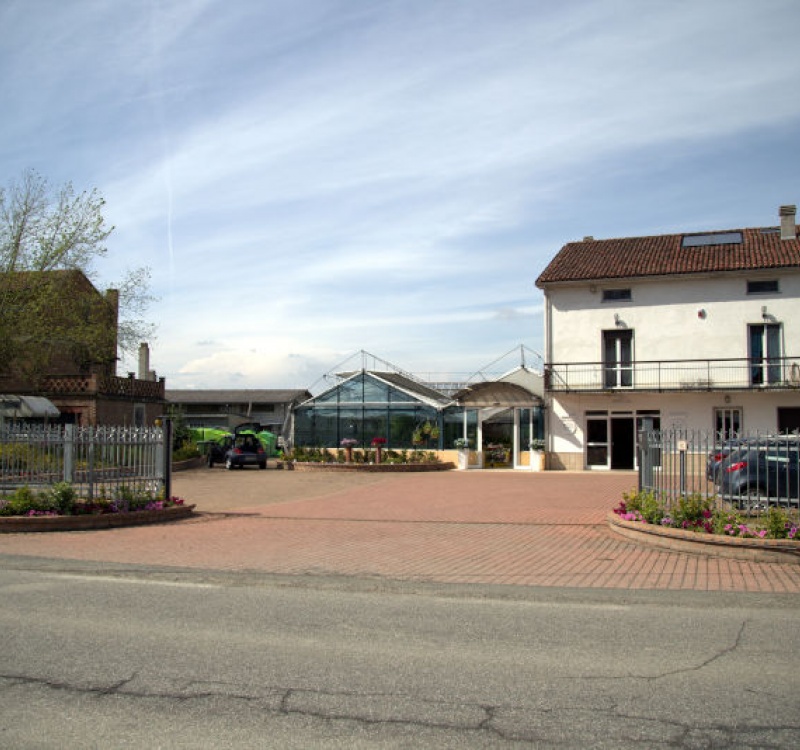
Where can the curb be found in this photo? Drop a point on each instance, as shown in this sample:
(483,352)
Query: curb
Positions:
(91,522)
(378,468)
(716,545)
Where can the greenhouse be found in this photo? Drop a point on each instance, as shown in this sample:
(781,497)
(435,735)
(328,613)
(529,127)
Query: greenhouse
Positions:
(501,419)
(368,405)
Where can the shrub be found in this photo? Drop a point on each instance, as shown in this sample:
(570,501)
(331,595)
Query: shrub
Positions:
(63,497)
(697,513)
(24,501)
(186,450)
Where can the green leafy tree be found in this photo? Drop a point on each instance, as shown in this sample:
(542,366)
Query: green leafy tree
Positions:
(50,240)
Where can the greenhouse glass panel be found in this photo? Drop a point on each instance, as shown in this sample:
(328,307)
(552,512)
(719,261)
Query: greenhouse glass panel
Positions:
(352,392)
(375,425)
(304,426)
(401,426)
(350,425)
(326,425)
(328,398)
(397,396)
(472,428)
(453,427)
(375,392)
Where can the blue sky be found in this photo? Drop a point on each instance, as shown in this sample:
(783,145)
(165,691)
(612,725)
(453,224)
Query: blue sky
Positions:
(307,179)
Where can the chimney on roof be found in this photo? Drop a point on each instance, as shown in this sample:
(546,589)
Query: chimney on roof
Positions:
(144,361)
(788,231)
(588,238)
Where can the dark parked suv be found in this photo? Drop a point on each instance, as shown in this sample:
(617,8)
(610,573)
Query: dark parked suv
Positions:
(762,473)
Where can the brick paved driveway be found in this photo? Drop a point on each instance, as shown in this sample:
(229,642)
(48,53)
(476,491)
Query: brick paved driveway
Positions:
(498,527)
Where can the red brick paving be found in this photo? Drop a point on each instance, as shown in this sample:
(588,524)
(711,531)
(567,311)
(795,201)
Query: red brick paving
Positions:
(531,529)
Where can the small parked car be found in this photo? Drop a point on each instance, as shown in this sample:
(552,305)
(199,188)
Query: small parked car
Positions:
(245,450)
(760,474)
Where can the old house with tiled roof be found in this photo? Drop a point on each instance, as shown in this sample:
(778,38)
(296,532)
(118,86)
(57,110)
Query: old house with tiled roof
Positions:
(694,331)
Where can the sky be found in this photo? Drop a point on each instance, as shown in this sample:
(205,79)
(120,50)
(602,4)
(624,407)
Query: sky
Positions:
(310,179)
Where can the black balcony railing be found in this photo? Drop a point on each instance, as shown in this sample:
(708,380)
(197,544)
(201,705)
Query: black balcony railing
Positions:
(674,375)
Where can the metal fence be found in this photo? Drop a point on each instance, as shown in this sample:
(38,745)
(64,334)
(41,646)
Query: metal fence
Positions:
(746,470)
(95,460)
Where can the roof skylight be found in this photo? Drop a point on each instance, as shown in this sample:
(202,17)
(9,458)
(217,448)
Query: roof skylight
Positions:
(708,240)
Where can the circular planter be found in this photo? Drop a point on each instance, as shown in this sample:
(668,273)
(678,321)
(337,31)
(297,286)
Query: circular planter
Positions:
(89,522)
(719,545)
(373,468)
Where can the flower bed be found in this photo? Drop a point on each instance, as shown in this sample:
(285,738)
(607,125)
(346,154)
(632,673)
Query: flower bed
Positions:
(90,521)
(57,508)
(694,524)
(376,458)
(386,467)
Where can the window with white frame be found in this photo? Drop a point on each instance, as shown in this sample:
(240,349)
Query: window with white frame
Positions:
(765,353)
(618,358)
(727,422)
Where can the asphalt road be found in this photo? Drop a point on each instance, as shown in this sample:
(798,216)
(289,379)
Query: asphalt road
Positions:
(110,656)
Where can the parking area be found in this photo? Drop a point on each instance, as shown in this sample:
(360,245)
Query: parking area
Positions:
(498,527)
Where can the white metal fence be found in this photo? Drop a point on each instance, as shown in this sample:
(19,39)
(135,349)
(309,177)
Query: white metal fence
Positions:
(94,460)
(746,470)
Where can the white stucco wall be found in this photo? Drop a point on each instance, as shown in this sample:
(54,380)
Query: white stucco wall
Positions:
(664,317)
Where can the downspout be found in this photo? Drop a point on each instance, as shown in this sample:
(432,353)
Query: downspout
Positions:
(548,359)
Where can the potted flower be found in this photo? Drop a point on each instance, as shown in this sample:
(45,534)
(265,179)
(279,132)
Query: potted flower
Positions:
(417,437)
(347,444)
(462,445)
(537,455)
(377,444)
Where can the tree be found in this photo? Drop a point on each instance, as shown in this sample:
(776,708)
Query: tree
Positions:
(50,309)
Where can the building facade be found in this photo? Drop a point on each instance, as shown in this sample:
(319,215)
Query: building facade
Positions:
(226,409)
(688,331)
(68,355)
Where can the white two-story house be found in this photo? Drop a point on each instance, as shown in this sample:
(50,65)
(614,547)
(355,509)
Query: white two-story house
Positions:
(692,331)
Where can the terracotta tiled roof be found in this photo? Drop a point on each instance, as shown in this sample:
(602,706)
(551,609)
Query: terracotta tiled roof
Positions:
(664,255)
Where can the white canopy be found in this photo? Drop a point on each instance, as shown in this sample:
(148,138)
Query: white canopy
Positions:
(27,407)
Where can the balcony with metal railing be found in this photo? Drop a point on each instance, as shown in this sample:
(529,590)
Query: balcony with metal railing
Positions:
(774,373)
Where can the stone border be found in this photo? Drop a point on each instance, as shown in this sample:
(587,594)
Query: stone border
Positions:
(189,463)
(92,521)
(681,540)
(378,468)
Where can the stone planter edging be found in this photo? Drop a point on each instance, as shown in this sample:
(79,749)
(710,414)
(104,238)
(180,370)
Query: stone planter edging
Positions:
(90,522)
(189,463)
(377,468)
(680,540)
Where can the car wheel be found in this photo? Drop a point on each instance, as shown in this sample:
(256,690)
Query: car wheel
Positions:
(262,465)
(752,499)
(210,461)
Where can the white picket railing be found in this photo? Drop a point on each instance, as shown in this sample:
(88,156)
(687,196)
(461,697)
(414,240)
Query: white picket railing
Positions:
(92,459)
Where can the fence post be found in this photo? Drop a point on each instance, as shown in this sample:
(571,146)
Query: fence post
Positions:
(166,456)
(682,447)
(90,462)
(645,455)
(69,453)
